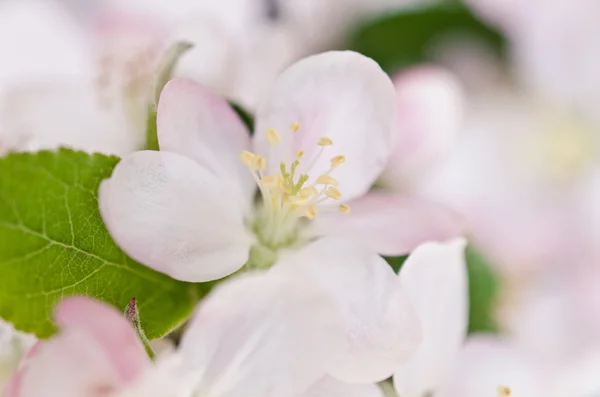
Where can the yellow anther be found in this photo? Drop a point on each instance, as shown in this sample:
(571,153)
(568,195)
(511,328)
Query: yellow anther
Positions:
(273,136)
(295,126)
(504,391)
(260,163)
(299,154)
(308,191)
(299,200)
(337,161)
(333,192)
(344,208)
(325,142)
(327,180)
(311,212)
(270,181)
(248,158)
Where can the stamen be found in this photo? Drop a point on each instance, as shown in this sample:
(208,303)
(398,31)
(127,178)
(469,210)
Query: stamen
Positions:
(327,180)
(504,391)
(333,192)
(308,191)
(270,181)
(248,159)
(299,200)
(300,154)
(337,161)
(260,163)
(253,161)
(311,212)
(325,142)
(344,208)
(295,126)
(273,136)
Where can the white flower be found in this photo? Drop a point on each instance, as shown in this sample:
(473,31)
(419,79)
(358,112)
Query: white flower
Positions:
(321,139)
(435,278)
(241,46)
(236,344)
(63,85)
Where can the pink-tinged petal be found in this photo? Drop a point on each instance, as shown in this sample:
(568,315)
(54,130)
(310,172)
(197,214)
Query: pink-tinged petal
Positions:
(381,328)
(13,387)
(486,363)
(195,122)
(340,95)
(430,104)
(391,224)
(173,215)
(95,353)
(435,278)
(331,387)
(261,334)
(110,329)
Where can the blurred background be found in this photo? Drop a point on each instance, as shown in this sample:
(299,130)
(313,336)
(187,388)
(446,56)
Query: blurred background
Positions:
(499,104)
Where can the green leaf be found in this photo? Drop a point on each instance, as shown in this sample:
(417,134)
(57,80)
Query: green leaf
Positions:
(53,244)
(396,262)
(483,292)
(405,38)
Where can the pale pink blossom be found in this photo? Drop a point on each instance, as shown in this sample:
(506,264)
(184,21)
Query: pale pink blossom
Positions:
(189,210)
(429,101)
(67,84)
(252,336)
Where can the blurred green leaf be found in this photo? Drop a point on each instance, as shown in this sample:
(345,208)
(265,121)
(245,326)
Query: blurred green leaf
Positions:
(405,38)
(483,292)
(396,262)
(246,117)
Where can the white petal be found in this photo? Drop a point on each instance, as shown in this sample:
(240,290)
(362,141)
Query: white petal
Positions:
(579,377)
(435,278)
(340,95)
(261,334)
(13,346)
(175,216)
(430,104)
(66,113)
(196,123)
(381,328)
(391,224)
(487,363)
(38,40)
(331,387)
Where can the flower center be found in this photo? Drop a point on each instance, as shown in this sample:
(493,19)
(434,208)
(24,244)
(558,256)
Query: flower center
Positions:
(570,147)
(288,200)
